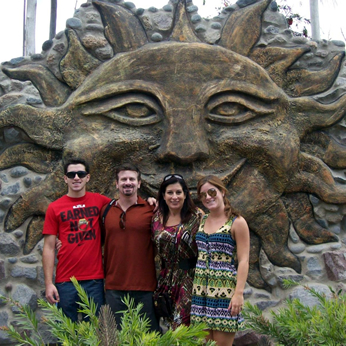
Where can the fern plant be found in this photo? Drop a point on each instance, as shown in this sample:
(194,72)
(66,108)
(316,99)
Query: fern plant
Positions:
(301,325)
(100,330)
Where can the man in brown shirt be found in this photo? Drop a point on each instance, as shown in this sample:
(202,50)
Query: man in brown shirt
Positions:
(129,251)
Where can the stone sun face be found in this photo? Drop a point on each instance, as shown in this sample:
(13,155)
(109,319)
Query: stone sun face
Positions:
(188,107)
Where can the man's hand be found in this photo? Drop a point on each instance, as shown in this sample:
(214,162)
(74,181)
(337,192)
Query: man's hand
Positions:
(153,201)
(52,294)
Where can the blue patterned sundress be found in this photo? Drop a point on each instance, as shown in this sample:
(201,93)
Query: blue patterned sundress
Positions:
(215,280)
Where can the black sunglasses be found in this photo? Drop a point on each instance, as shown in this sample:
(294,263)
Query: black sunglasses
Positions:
(122,220)
(81,174)
(170,176)
(211,192)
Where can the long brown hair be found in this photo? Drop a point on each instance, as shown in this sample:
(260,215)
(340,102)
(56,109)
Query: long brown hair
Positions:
(217,182)
(188,208)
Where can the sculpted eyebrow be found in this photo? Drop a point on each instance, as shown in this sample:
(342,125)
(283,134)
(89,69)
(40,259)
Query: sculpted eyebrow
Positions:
(256,91)
(121,87)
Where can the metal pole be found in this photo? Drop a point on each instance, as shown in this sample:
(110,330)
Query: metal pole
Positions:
(315,20)
(24,17)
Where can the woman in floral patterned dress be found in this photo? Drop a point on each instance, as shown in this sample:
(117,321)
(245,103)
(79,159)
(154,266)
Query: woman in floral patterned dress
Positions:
(219,283)
(174,229)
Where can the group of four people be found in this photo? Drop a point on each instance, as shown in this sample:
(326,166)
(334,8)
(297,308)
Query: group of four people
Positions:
(203,258)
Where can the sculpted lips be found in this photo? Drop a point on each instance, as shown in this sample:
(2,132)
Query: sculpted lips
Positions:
(151,183)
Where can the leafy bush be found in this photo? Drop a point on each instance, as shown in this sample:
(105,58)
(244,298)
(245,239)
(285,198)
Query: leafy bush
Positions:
(100,330)
(301,325)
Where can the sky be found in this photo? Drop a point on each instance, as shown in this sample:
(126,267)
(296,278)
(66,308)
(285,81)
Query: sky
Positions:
(11,19)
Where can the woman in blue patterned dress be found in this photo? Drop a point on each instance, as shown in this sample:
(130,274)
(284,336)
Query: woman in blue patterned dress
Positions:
(222,239)
(174,229)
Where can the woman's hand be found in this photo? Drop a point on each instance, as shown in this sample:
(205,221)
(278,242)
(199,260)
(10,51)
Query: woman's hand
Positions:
(236,304)
(58,244)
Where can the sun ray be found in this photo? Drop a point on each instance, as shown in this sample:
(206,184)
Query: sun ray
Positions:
(31,156)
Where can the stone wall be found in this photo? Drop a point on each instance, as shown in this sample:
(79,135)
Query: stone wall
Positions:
(239,95)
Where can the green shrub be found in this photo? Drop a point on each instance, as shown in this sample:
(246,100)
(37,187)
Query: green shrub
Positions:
(301,325)
(98,330)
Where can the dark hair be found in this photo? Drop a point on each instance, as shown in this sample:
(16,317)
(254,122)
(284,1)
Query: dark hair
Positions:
(127,167)
(76,161)
(217,182)
(188,208)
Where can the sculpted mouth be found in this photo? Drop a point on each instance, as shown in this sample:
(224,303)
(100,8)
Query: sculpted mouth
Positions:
(151,182)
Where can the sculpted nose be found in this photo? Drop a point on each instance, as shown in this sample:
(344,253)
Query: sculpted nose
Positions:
(184,141)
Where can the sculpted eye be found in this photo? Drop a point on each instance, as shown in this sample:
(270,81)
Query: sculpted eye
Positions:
(133,109)
(232,108)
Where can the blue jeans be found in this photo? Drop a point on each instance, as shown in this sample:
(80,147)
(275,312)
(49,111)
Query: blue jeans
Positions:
(69,296)
(113,299)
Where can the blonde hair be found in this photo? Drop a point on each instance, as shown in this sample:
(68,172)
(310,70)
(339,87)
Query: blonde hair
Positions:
(217,182)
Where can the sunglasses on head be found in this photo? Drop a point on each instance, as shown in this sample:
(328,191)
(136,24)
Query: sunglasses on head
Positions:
(170,176)
(211,192)
(81,174)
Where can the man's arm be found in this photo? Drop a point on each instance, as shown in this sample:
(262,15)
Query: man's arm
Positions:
(48,257)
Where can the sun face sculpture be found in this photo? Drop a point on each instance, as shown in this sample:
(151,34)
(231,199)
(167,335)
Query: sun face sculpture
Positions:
(232,109)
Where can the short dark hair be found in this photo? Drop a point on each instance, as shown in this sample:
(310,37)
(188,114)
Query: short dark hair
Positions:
(127,167)
(76,161)
(188,208)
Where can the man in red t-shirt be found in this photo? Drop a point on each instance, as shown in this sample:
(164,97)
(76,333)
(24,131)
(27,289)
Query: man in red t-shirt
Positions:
(129,250)
(74,219)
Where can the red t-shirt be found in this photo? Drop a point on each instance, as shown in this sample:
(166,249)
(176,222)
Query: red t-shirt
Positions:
(75,221)
(129,253)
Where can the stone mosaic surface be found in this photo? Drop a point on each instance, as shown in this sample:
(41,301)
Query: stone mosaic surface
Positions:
(237,95)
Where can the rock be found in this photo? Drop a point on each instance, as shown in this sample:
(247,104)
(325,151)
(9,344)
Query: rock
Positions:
(247,337)
(29,259)
(130,5)
(12,260)
(317,248)
(307,298)
(294,277)
(152,9)
(247,292)
(4,338)
(168,8)
(296,248)
(18,233)
(25,296)
(335,262)
(11,190)
(314,268)
(2,215)
(74,23)
(333,217)
(243,3)
(24,272)
(293,235)
(262,295)
(191,9)
(156,37)
(47,45)
(196,18)
(2,270)
(8,246)
(215,25)
(264,304)
(5,203)
(12,135)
